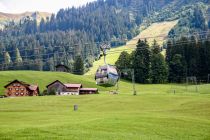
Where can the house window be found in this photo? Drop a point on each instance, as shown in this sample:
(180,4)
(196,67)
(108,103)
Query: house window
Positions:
(22,89)
(16,93)
(17,89)
(14,85)
(21,93)
(10,89)
(18,85)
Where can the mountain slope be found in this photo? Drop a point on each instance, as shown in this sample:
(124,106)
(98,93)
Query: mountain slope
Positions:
(156,29)
(8,17)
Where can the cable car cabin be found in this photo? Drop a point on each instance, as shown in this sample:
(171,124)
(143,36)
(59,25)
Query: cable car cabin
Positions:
(107,75)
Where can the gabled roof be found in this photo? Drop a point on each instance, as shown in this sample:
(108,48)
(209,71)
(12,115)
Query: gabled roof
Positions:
(55,82)
(61,65)
(16,81)
(33,87)
(73,85)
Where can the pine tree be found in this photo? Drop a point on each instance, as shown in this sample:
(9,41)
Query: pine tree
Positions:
(177,69)
(155,48)
(7,59)
(79,65)
(18,58)
(159,71)
(141,62)
(168,51)
(123,61)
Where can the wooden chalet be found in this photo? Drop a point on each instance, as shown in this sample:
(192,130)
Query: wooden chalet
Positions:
(56,86)
(18,88)
(73,89)
(62,68)
(69,89)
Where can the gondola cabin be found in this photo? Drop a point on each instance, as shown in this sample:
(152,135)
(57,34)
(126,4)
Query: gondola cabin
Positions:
(107,75)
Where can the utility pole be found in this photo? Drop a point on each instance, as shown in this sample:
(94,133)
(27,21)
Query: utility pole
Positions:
(104,48)
(133,81)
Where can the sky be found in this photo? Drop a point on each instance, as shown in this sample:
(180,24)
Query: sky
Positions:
(52,6)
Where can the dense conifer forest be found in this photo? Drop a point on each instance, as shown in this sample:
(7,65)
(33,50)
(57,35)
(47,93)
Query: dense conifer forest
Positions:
(74,33)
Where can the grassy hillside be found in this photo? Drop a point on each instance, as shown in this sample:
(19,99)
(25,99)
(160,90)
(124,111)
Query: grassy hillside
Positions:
(44,78)
(156,29)
(106,117)
(156,113)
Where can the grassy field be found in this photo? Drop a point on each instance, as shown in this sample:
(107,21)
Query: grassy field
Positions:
(156,113)
(156,29)
(106,117)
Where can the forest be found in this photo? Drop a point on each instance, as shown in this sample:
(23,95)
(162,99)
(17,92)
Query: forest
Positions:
(76,33)
(185,57)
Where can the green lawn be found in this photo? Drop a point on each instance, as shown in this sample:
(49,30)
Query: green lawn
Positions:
(156,113)
(108,117)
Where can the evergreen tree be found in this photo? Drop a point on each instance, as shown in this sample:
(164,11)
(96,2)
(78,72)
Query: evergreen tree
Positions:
(18,58)
(123,61)
(168,51)
(155,48)
(159,71)
(7,59)
(141,62)
(177,69)
(79,65)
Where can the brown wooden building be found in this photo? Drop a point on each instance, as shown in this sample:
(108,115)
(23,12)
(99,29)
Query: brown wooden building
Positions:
(18,88)
(88,91)
(69,89)
(62,68)
(56,86)
(73,89)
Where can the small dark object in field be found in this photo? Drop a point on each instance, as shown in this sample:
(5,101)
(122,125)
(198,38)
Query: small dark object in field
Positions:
(2,96)
(75,107)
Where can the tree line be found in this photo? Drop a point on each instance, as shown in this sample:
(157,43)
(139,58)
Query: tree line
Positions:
(185,57)
(43,51)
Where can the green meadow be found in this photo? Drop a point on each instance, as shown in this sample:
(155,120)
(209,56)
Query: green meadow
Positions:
(156,113)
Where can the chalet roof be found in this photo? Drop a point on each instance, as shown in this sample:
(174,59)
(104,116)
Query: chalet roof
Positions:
(88,89)
(33,87)
(73,85)
(16,81)
(61,65)
(55,82)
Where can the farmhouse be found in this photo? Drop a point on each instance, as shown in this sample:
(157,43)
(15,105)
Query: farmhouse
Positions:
(56,87)
(62,68)
(18,88)
(59,88)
